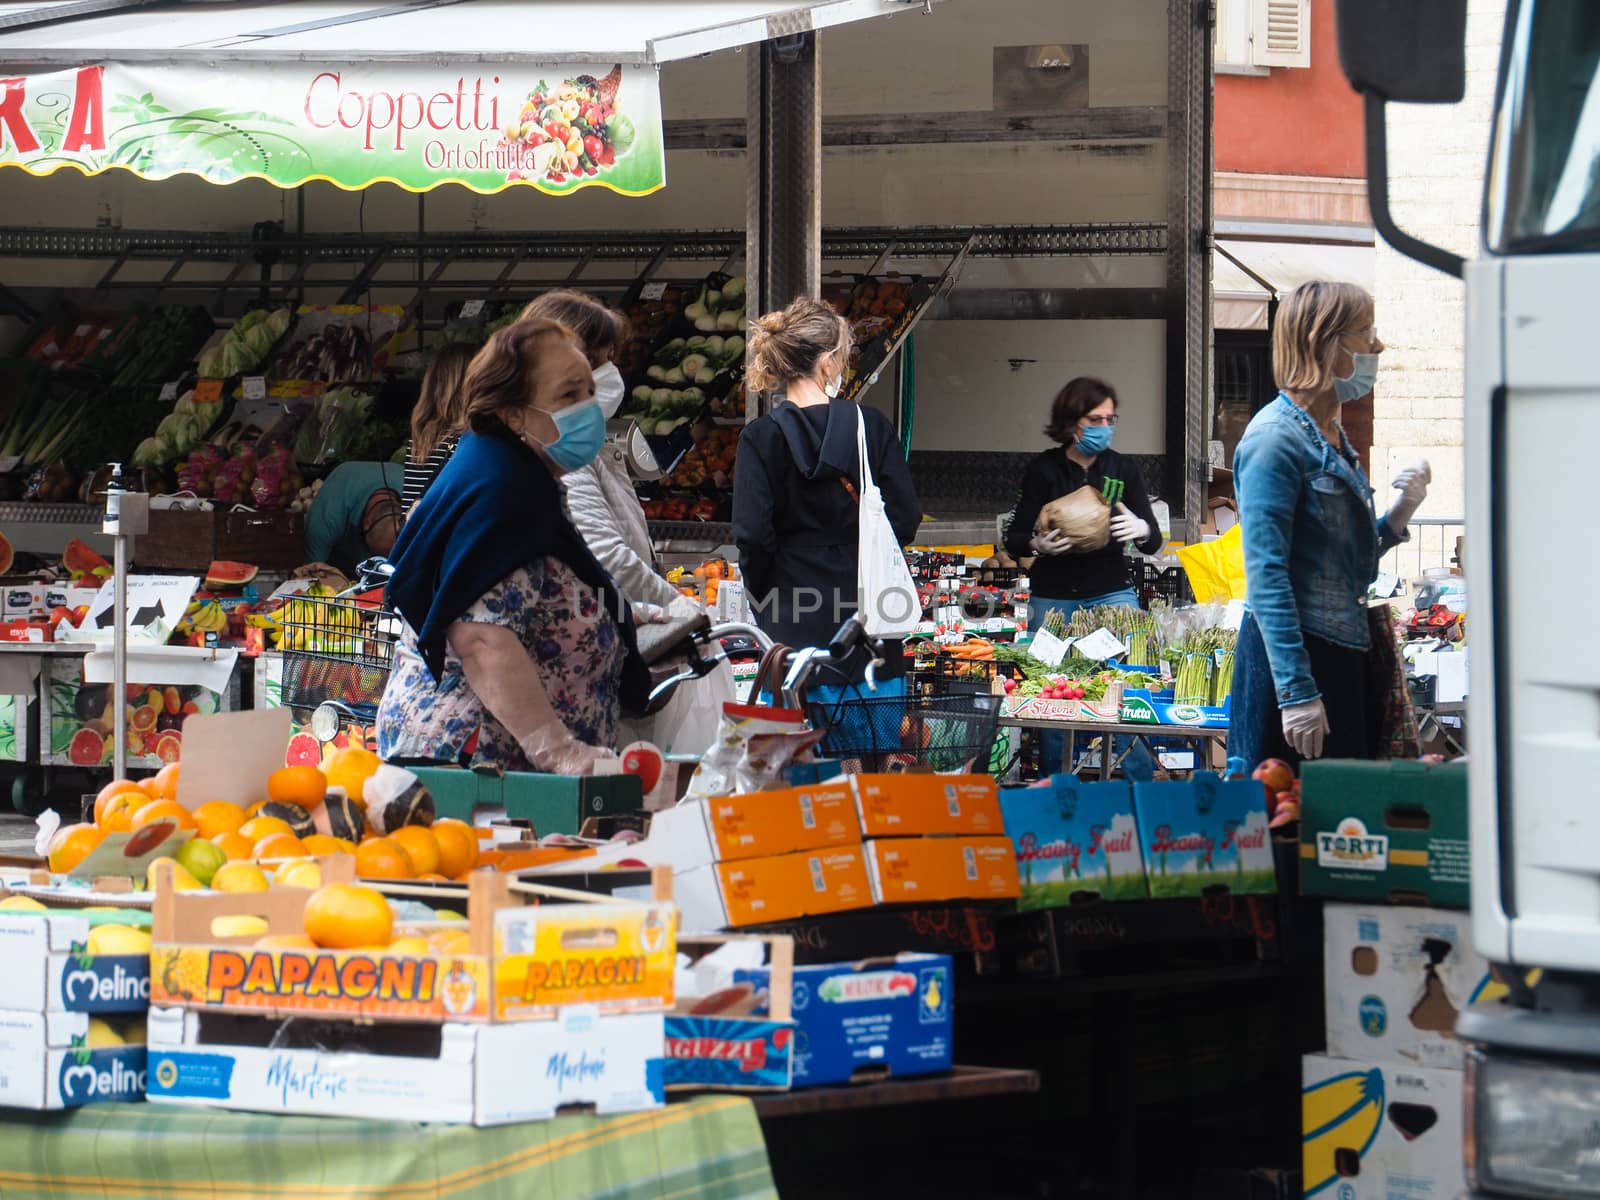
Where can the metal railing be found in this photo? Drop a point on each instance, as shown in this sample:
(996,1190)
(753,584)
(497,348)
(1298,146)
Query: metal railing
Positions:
(1432,545)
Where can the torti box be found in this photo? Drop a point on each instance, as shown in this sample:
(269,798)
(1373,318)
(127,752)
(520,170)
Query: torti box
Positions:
(911,805)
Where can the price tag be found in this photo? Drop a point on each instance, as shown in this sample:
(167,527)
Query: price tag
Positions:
(1100,645)
(652,291)
(994,625)
(1047,648)
(255,387)
(1386,585)
(471,308)
(208,391)
(169,392)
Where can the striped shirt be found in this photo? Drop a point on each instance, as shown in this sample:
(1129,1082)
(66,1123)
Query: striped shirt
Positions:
(419,477)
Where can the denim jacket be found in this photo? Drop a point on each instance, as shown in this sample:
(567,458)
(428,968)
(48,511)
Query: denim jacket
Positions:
(1311,541)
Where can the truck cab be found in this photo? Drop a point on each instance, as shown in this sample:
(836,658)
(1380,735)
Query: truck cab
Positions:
(1532,436)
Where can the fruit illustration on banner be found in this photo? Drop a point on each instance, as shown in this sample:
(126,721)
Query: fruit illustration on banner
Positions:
(570,131)
(82,720)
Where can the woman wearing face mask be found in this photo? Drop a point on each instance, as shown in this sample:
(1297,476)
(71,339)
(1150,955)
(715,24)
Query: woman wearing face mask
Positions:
(796,489)
(1306,680)
(517,650)
(600,497)
(1083,420)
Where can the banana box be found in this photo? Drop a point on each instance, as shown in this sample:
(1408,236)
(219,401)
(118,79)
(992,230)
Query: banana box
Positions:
(60,962)
(780,887)
(912,805)
(1396,978)
(1371,1132)
(933,870)
(877,1017)
(756,824)
(64,1059)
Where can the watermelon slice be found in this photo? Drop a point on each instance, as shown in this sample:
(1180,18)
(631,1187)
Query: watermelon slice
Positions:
(80,559)
(6,555)
(225,576)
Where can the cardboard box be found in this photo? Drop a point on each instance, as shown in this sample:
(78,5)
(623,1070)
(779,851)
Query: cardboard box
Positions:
(1074,840)
(45,1063)
(553,803)
(932,870)
(914,804)
(717,1042)
(1380,1132)
(781,887)
(876,1017)
(48,970)
(1396,978)
(1385,832)
(755,825)
(1204,835)
(615,956)
(454,1073)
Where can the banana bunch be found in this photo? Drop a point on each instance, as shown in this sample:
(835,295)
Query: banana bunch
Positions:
(307,625)
(203,616)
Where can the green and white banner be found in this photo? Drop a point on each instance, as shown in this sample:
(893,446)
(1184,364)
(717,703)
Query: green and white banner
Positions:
(557,129)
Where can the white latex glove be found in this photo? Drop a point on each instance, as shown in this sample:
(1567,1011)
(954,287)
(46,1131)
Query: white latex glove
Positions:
(1050,542)
(1304,727)
(1125,527)
(557,752)
(1412,484)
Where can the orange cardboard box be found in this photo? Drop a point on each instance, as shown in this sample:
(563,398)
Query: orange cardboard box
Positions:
(931,870)
(911,805)
(756,825)
(779,887)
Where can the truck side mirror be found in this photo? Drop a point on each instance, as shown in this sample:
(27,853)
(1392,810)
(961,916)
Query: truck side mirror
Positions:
(1412,51)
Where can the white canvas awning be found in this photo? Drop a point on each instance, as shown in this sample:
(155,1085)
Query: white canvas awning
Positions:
(1246,274)
(433,32)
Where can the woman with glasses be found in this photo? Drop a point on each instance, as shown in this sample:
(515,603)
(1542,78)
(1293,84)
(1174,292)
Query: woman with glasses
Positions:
(1307,678)
(1083,422)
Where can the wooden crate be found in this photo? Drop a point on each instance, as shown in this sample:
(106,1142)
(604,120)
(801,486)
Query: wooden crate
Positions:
(191,541)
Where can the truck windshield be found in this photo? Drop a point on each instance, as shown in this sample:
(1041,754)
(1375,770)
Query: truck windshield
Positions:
(1544,177)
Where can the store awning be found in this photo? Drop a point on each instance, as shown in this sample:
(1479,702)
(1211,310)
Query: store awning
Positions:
(488,94)
(1246,274)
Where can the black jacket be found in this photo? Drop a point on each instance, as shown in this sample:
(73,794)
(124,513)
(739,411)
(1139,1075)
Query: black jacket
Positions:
(1052,475)
(794,514)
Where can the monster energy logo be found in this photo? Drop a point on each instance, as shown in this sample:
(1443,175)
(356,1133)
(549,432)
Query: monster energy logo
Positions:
(1112,490)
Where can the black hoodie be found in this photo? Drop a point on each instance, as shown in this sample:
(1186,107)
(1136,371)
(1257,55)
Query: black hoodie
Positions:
(794,514)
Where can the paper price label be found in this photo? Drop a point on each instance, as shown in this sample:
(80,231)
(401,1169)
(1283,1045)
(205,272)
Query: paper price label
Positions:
(472,308)
(208,391)
(255,387)
(652,291)
(169,392)
(1100,645)
(994,625)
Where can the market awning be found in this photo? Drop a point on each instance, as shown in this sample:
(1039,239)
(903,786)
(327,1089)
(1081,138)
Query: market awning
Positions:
(485,93)
(1246,274)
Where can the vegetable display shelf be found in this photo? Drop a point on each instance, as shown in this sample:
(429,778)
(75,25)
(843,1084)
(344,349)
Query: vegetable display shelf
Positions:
(714,533)
(49,513)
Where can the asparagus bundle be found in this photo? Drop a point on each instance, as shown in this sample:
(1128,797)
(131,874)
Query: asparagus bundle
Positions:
(1222,680)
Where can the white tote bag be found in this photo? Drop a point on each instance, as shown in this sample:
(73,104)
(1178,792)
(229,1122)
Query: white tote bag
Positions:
(889,604)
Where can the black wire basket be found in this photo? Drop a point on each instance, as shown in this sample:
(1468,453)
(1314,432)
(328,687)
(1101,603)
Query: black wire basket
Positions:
(872,734)
(336,648)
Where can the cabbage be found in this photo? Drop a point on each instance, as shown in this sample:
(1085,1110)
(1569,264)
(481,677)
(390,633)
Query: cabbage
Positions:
(1084,516)
(170,429)
(259,341)
(151,452)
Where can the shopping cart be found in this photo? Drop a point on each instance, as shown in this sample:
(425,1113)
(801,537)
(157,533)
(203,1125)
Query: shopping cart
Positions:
(338,651)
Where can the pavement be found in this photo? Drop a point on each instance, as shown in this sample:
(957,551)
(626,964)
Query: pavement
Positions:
(16,834)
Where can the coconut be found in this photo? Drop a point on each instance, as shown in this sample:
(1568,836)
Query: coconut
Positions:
(1084,516)
(396,797)
(297,818)
(342,816)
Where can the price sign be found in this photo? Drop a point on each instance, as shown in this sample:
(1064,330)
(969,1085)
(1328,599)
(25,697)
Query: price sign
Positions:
(169,392)
(255,387)
(653,291)
(208,391)
(472,308)
(1100,645)
(994,625)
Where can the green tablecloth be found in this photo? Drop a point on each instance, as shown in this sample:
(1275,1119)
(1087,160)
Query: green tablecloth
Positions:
(706,1148)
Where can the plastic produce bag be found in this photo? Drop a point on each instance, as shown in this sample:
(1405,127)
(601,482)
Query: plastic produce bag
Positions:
(1216,568)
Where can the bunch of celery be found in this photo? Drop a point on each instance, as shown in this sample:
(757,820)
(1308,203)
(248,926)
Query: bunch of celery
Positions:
(43,423)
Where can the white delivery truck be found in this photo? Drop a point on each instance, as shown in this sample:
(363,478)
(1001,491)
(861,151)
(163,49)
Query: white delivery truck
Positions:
(1532,485)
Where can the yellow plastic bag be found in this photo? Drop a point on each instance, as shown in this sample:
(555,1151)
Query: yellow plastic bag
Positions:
(1215,569)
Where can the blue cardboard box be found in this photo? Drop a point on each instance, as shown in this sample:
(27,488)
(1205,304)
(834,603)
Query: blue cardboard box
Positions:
(738,1039)
(1143,707)
(890,1016)
(1074,840)
(1204,835)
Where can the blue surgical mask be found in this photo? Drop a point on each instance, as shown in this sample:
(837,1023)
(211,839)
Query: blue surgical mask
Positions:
(1095,439)
(580,433)
(1360,380)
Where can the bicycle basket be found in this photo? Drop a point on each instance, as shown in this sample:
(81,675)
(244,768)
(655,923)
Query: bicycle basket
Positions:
(887,733)
(336,648)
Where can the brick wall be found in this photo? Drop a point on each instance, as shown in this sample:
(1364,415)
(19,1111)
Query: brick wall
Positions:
(1436,161)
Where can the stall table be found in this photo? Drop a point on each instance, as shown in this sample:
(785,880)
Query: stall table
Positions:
(962,1083)
(1202,737)
(710,1146)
